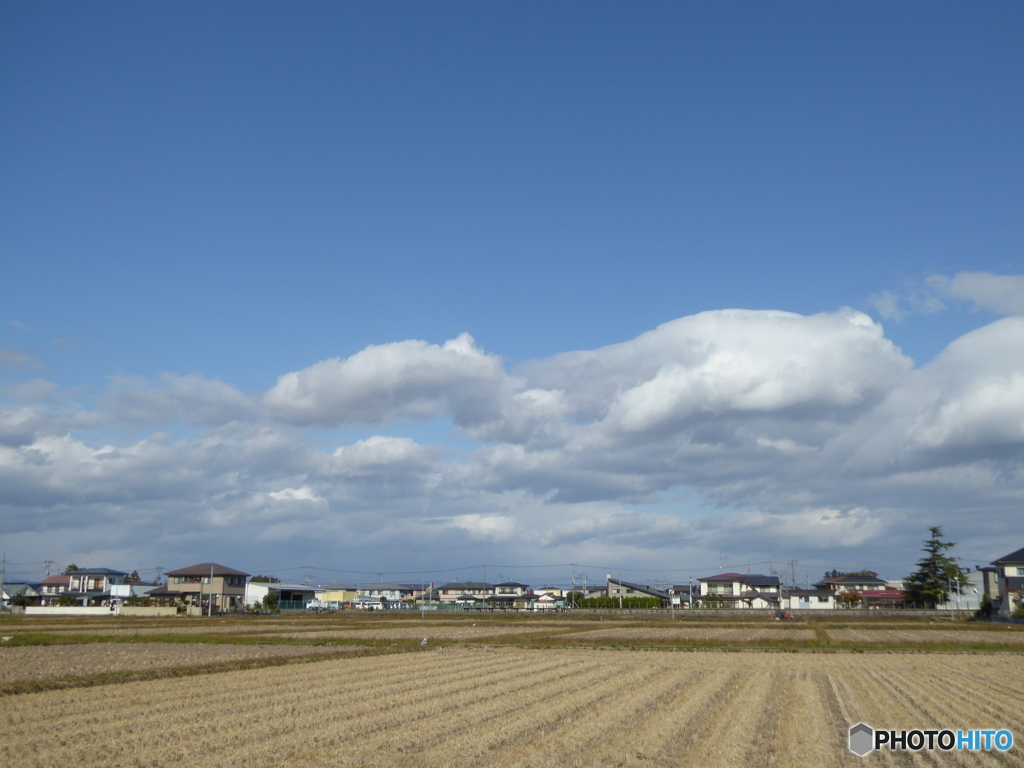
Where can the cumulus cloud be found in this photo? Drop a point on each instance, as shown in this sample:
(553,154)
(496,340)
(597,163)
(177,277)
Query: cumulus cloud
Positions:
(403,381)
(194,398)
(797,433)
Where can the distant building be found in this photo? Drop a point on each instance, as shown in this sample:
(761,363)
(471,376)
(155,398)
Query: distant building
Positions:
(617,588)
(198,585)
(741,590)
(456,591)
(1010,582)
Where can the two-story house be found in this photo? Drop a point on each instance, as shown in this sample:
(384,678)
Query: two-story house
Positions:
(1010,582)
(872,591)
(740,590)
(92,585)
(51,588)
(853,582)
(457,591)
(510,589)
(211,586)
(384,595)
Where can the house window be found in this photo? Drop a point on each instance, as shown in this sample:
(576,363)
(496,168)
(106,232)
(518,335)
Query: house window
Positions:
(822,599)
(177,579)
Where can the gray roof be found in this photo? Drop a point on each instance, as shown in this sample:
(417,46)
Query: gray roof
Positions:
(384,588)
(640,588)
(1011,559)
(97,572)
(277,587)
(810,593)
(204,569)
(19,589)
(477,586)
(758,580)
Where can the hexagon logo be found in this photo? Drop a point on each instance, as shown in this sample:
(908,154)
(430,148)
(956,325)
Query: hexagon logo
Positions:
(862,738)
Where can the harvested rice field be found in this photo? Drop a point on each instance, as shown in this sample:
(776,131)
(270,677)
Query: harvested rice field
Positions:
(50,662)
(466,631)
(466,705)
(944,636)
(694,635)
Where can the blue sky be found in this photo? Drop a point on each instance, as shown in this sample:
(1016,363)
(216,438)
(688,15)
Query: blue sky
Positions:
(196,194)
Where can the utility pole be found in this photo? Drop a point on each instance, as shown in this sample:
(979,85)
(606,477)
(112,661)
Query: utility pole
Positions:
(306,581)
(209,611)
(48,564)
(573,605)
(3,573)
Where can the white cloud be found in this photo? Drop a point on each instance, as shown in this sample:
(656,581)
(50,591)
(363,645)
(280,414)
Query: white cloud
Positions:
(194,397)
(797,433)
(403,381)
(493,527)
(817,528)
(760,362)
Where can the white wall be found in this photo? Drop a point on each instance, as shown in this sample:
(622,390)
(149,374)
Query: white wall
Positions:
(255,592)
(67,610)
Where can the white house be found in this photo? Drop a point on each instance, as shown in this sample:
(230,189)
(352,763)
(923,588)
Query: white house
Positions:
(740,590)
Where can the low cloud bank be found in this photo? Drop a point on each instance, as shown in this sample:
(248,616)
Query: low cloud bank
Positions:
(799,434)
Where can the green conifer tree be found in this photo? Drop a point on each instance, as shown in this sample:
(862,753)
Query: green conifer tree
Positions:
(936,573)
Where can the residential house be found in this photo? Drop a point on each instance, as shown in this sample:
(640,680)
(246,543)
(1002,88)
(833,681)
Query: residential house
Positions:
(1010,582)
(511,589)
(198,585)
(91,585)
(808,599)
(622,589)
(854,582)
(459,590)
(544,601)
(872,591)
(26,592)
(51,588)
(684,595)
(739,590)
(383,595)
(547,601)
